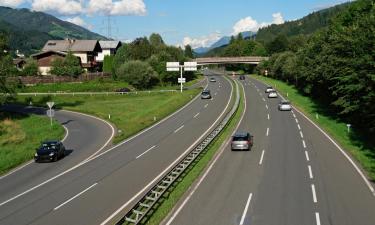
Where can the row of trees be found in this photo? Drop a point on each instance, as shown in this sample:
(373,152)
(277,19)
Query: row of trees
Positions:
(336,65)
(142,63)
(6,69)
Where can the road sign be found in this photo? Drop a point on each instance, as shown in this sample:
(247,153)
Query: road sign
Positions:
(50,104)
(50,113)
(190,66)
(181,80)
(173,66)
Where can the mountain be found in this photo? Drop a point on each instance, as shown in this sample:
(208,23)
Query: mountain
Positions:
(305,26)
(221,42)
(28,31)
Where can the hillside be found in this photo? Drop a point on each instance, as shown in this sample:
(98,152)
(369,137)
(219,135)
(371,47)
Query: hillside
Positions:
(28,31)
(305,26)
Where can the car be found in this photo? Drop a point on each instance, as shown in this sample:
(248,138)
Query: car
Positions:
(50,150)
(269,89)
(242,77)
(206,94)
(272,94)
(242,141)
(122,90)
(284,106)
(212,79)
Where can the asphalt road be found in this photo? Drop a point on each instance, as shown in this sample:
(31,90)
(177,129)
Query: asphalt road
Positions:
(111,181)
(294,175)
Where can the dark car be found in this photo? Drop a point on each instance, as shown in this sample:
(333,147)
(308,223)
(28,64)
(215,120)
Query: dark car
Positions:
(242,141)
(49,151)
(206,94)
(122,90)
(242,77)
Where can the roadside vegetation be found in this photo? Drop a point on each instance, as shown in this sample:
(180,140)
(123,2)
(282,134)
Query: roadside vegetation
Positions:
(362,150)
(130,113)
(21,134)
(192,173)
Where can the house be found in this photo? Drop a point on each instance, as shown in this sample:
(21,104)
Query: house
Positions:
(45,59)
(108,48)
(19,63)
(86,50)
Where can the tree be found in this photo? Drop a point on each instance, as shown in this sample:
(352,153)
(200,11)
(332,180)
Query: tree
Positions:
(69,66)
(189,52)
(137,73)
(108,64)
(156,40)
(279,44)
(6,70)
(31,68)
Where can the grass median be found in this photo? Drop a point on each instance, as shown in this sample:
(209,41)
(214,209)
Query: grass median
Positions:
(363,152)
(19,136)
(130,113)
(193,172)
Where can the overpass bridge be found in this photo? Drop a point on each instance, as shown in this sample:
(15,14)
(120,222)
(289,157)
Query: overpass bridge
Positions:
(230,60)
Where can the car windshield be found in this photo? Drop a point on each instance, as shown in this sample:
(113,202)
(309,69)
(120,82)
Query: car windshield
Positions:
(285,103)
(205,92)
(240,138)
(48,146)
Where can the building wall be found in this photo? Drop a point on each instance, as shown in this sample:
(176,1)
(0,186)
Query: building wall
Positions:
(44,70)
(100,57)
(83,56)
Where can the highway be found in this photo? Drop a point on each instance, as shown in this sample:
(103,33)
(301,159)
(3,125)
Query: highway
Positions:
(294,175)
(102,189)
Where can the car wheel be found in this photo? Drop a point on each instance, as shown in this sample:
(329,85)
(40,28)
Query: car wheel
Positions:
(55,158)
(35,160)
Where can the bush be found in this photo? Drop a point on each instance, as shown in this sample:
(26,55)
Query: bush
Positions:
(31,68)
(108,63)
(137,73)
(69,66)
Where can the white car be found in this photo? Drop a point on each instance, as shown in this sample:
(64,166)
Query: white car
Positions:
(284,106)
(272,94)
(269,89)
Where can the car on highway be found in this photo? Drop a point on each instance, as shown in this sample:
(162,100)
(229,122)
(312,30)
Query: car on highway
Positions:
(284,106)
(242,77)
(122,90)
(272,94)
(269,89)
(242,141)
(50,151)
(212,79)
(206,94)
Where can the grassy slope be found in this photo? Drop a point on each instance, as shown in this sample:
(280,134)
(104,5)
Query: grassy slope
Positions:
(20,135)
(130,113)
(171,198)
(336,129)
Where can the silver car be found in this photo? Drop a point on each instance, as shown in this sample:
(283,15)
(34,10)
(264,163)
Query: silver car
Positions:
(269,89)
(242,141)
(212,79)
(206,94)
(272,94)
(284,106)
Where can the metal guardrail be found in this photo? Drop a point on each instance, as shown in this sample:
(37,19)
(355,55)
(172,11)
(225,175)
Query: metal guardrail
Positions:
(148,201)
(93,93)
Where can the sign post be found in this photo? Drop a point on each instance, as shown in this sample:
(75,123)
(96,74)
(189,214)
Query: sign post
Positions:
(50,112)
(175,66)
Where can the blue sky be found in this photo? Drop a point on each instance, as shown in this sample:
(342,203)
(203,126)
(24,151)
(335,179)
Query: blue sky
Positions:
(195,22)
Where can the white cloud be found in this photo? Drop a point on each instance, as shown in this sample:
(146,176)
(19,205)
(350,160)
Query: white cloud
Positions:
(122,7)
(11,3)
(204,41)
(63,7)
(249,24)
(77,21)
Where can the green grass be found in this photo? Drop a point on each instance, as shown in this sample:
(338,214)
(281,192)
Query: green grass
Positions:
(20,135)
(334,127)
(171,198)
(130,113)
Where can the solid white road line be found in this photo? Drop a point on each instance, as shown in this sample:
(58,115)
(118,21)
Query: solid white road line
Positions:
(314,193)
(301,134)
(261,158)
(310,172)
(75,196)
(171,165)
(17,169)
(307,156)
(145,152)
(178,129)
(246,208)
(304,144)
(268,116)
(66,133)
(317,217)
(299,127)
(196,115)
(268,130)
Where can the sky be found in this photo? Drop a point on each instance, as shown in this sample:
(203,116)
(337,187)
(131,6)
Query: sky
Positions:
(199,23)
